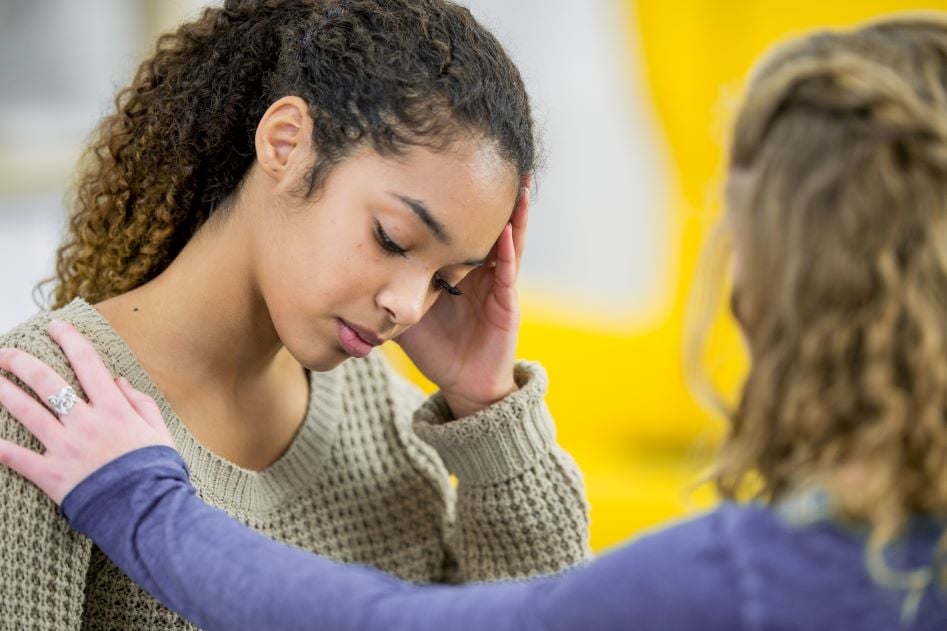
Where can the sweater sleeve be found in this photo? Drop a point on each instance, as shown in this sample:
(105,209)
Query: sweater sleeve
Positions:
(218,573)
(43,562)
(521,508)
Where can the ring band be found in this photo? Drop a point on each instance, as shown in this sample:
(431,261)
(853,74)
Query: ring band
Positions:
(61,403)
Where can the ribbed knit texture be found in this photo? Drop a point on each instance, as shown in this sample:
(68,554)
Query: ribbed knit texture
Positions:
(365,480)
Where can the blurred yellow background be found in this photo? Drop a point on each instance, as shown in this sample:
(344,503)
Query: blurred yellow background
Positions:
(635,108)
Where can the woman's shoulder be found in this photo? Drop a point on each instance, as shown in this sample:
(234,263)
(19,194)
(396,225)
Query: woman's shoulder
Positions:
(32,337)
(710,536)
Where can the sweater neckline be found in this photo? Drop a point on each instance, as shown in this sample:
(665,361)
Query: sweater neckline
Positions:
(241,491)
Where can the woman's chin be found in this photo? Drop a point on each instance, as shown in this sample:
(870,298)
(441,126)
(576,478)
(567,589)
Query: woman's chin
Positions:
(325,361)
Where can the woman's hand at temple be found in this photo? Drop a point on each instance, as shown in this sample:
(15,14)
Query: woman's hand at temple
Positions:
(466,344)
(115,420)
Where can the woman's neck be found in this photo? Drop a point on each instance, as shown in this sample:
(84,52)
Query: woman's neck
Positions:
(203,312)
(203,333)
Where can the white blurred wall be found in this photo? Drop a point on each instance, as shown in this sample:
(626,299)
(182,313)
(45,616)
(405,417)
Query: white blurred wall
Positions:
(60,63)
(598,235)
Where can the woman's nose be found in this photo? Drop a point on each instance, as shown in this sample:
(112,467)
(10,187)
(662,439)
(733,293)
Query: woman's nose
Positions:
(406,299)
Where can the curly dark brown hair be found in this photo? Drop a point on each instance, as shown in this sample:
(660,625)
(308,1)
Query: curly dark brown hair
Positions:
(389,74)
(840,225)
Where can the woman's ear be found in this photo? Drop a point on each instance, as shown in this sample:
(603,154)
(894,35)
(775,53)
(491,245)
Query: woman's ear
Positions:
(284,138)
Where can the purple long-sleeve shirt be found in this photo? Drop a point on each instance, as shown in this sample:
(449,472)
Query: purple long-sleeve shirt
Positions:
(738,567)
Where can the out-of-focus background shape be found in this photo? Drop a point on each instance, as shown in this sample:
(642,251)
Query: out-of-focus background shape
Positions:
(633,99)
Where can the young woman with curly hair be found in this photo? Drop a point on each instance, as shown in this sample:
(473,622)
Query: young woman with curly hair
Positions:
(837,213)
(285,185)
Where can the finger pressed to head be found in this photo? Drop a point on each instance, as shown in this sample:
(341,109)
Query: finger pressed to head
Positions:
(519,221)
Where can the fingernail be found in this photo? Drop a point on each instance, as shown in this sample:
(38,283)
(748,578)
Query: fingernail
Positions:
(54,324)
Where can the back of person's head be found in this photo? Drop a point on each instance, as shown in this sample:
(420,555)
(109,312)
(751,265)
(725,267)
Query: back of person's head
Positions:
(384,74)
(838,213)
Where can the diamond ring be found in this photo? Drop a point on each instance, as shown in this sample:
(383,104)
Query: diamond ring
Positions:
(63,401)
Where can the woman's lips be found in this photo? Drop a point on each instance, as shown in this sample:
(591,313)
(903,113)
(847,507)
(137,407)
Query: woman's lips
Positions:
(352,339)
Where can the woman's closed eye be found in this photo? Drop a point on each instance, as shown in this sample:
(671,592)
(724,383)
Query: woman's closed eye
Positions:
(390,248)
(388,245)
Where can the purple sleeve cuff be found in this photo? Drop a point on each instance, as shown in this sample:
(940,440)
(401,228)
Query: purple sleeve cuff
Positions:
(83,503)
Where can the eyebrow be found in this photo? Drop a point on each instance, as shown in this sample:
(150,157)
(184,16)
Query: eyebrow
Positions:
(424,214)
(436,227)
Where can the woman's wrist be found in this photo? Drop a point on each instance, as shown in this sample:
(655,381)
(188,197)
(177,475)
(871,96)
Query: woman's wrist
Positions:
(498,442)
(462,405)
(84,504)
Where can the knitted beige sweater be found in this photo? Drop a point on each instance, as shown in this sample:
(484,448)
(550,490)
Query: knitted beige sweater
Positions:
(365,480)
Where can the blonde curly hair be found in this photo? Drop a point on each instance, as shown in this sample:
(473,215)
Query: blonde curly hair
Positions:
(840,227)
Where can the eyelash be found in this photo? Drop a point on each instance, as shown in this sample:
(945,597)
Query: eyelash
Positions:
(387,245)
(390,248)
(442,285)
